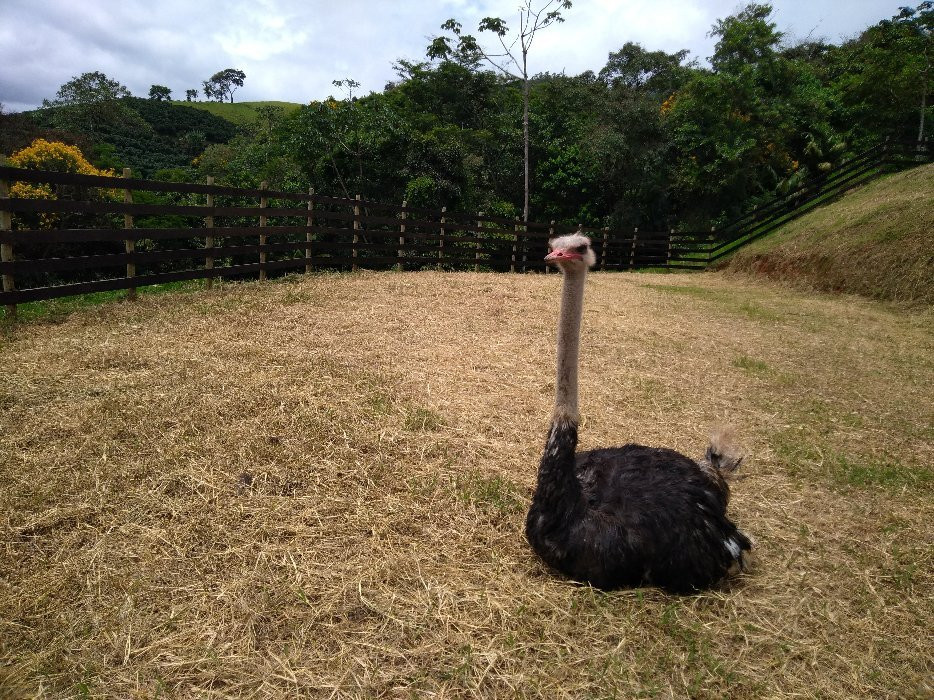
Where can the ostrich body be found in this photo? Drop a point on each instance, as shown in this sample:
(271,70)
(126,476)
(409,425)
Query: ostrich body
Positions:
(632,515)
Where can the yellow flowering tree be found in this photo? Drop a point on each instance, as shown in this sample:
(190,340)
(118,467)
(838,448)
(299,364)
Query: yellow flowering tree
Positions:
(56,157)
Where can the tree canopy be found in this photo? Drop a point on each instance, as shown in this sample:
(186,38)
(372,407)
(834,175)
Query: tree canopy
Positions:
(160,92)
(650,139)
(511,59)
(223,84)
(88,88)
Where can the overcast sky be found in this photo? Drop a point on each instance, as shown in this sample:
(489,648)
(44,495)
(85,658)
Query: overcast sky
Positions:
(292,49)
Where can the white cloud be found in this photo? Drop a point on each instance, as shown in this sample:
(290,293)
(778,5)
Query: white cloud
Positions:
(293,49)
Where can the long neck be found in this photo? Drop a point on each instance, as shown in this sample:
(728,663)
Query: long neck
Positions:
(558,499)
(557,466)
(569,326)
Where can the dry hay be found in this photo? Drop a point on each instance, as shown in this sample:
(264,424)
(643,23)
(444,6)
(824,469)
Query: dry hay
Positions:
(316,488)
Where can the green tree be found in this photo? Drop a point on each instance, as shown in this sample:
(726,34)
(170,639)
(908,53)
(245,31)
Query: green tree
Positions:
(629,146)
(160,92)
(88,88)
(750,123)
(646,72)
(511,61)
(564,114)
(89,102)
(350,146)
(746,40)
(191,95)
(917,25)
(464,137)
(884,78)
(258,153)
(223,84)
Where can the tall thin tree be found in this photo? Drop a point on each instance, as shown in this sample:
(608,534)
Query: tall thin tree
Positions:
(512,59)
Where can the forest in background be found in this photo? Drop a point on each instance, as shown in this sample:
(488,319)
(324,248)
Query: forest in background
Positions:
(651,139)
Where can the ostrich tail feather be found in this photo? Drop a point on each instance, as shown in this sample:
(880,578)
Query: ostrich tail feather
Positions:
(723,454)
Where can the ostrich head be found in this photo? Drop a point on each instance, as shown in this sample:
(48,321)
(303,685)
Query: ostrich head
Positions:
(571,252)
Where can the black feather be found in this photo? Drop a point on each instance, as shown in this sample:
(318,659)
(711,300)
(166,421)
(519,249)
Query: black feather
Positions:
(631,516)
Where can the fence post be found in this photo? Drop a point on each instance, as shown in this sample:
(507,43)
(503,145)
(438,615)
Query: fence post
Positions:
(515,242)
(356,233)
(476,255)
(263,203)
(129,243)
(606,235)
(441,236)
(402,235)
(713,243)
(632,251)
(551,234)
(668,258)
(525,245)
(6,249)
(309,236)
(209,238)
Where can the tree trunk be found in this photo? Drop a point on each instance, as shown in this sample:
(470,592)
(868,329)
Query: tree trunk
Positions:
(525,133)
(924,97)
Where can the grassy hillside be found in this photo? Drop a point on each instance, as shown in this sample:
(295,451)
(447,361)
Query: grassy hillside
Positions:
(175,119)
(145,135)
(877,240)
(239,113)
(317,488)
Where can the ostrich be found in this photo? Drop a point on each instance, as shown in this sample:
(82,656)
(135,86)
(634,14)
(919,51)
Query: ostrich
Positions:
(632,515)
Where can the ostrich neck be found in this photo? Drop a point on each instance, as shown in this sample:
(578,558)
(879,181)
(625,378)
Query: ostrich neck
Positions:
(558,499)
(569,324)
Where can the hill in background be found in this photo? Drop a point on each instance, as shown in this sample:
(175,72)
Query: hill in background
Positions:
(145,135)
(239,113)
(877,240)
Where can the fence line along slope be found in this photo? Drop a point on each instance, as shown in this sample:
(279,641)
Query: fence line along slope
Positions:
(877,240)
(91,233)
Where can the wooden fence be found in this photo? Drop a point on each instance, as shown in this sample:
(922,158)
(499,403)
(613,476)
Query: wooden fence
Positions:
(110,233)
(879,159)
(89,233)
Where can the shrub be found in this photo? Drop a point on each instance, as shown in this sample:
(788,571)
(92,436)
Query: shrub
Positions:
(56,157)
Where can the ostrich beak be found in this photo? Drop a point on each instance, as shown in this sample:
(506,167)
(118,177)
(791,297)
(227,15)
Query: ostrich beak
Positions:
(558,255)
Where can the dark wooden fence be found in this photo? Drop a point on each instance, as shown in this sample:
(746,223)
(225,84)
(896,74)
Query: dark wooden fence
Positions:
(818,189)
(110,233)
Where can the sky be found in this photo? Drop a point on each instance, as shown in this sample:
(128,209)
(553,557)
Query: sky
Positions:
(292,50)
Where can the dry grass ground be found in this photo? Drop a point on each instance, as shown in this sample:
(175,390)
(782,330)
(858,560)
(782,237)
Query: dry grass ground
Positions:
(317,488)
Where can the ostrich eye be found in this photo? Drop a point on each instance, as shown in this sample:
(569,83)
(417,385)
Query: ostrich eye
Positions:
(582,248)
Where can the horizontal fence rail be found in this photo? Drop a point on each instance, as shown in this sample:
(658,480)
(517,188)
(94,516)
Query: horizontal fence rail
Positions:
(92,234)
(64,233)
(818,189)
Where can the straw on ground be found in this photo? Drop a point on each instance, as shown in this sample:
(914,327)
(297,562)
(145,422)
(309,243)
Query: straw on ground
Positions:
(317,489)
